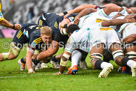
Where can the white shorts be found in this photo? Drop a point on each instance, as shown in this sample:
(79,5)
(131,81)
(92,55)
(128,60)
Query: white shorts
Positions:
(104,35)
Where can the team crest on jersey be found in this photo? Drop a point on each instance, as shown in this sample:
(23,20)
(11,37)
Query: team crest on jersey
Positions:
(56,24)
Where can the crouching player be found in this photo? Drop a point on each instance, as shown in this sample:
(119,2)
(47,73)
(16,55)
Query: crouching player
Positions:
(95,45)
(128,35)
(32,34)
(83,42)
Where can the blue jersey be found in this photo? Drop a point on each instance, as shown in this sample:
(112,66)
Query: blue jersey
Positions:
(29,33)
(57,36)
(47,18)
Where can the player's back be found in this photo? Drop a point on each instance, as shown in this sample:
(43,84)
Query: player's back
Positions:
(93,19)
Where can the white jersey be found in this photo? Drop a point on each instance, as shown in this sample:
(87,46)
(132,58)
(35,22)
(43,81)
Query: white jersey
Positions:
(85,39)
(127,29)
(93,19)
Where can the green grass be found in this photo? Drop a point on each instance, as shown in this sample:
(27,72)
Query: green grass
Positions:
(12,79)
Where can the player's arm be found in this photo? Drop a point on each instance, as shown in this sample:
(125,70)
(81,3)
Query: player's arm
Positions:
(66,55)
(82,13)
(29,55)
(130,38)
(63,62)
(5,23)
(130,19)
(79,9)
(53,48)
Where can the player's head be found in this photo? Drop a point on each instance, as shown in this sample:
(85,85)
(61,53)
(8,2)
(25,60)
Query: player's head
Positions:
(46,34)
(71,28)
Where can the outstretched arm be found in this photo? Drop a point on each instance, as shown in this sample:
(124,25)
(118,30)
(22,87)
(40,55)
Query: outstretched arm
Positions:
(79,9)
(53,48)
(9,25)
(127,19)
(82,13)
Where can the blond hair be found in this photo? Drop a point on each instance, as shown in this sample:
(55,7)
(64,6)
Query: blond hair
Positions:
(46,30)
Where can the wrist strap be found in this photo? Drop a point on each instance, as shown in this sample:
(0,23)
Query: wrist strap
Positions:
(13,26)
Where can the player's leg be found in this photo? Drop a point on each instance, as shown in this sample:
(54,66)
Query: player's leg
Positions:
(55,60)
(75,58)
(83,64)
(119,58)
(22,61)
(97,63)
(130,52)
(13,53)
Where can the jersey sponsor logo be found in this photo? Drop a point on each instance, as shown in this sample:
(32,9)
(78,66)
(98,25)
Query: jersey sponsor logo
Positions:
(98,20)
(40,22)
(26,33)
(106,29)
(38,40)
(56,24)
(19,34)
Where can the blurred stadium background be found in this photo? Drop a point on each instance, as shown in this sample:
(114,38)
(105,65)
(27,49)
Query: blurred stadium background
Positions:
(28,11)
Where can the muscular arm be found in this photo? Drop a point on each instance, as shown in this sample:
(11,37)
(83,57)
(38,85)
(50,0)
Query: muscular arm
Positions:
(9,25)
(80,8)
(49,52)
(6,23)
(113,22)
(29,59)
(82,13)
(117,22)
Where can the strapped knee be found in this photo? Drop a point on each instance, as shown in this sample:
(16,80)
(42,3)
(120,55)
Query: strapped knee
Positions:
(13,49)
(65,57)
(95,56)
(118,53)
(131,54)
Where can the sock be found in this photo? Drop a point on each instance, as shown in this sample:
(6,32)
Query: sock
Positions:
(35,61)
(127,62)
(103,64)
(130,63)
(54,59)
(76,56)
(23,60)
(98,64)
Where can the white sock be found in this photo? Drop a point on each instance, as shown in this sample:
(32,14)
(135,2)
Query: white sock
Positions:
(130,63)
(75,57)
(104,64)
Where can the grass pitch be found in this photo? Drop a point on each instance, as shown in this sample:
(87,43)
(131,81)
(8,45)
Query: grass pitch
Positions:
(12,79)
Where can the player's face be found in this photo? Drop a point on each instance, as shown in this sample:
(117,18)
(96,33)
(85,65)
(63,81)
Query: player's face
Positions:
(46,38)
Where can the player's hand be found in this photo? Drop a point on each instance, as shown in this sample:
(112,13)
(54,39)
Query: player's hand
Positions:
(76,20)
(31,71)
(58,73)
(131,18)
(17,27)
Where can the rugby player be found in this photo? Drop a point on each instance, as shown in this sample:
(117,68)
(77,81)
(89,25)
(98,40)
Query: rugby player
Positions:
(114,41)
(36,38)
(5,23)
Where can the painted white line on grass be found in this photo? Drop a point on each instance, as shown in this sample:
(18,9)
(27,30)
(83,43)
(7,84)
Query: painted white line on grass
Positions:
(22,76)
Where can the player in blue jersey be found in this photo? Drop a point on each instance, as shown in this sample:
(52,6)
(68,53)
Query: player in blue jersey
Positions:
(35,36)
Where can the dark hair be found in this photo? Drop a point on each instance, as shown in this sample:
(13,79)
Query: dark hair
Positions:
(72,28)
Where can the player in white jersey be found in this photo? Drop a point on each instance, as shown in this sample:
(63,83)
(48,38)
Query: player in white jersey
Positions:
(112,39)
